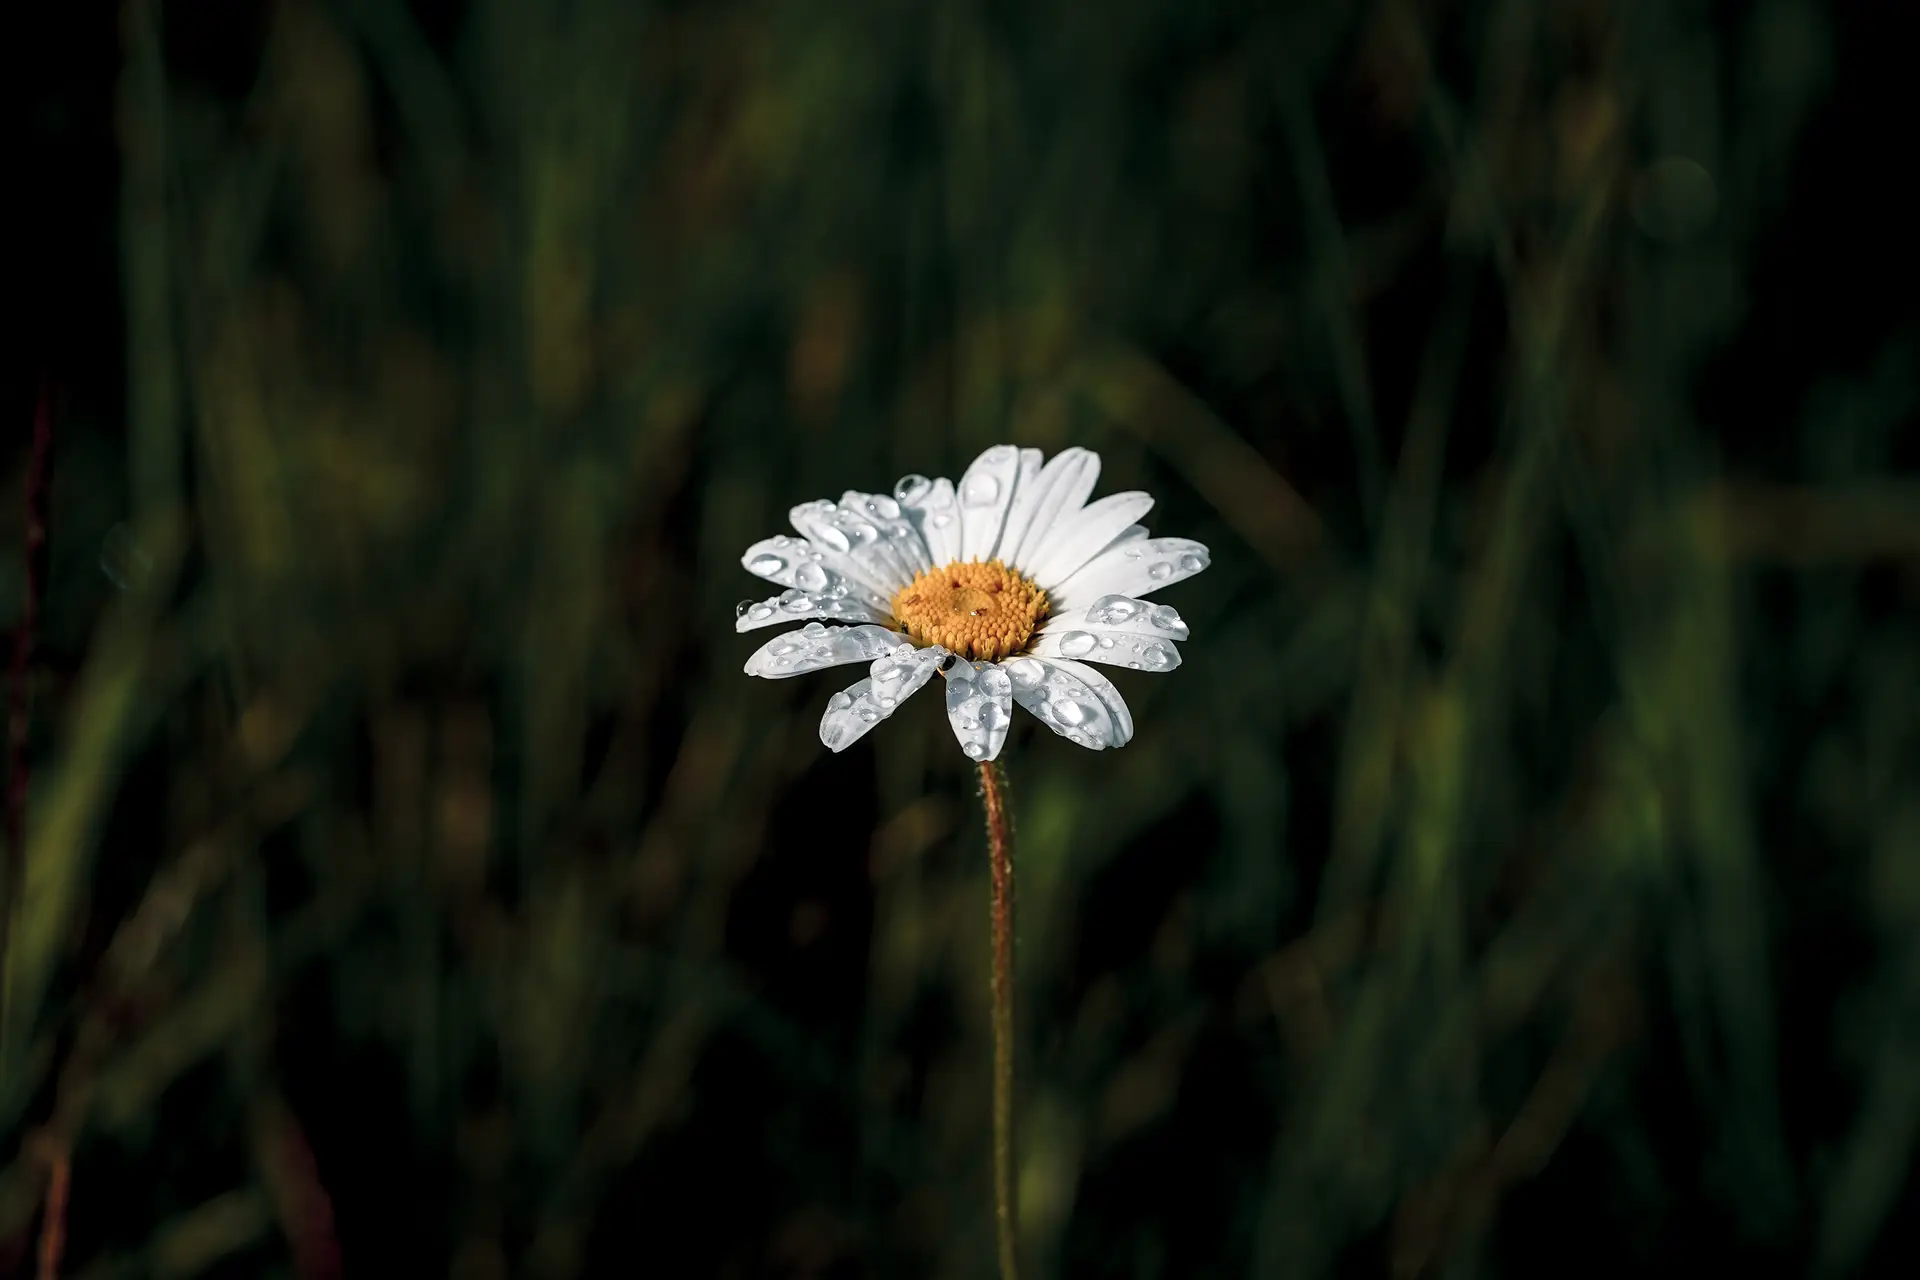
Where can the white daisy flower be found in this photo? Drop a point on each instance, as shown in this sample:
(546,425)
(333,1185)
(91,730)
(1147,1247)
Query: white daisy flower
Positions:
(1009,584)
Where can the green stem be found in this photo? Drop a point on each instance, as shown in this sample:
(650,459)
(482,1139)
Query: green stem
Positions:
(1000,856)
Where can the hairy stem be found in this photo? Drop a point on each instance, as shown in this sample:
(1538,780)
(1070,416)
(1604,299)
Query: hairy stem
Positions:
(1000,854)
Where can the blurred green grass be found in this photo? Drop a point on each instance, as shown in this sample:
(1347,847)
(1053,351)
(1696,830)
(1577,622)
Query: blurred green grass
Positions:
(1518,878)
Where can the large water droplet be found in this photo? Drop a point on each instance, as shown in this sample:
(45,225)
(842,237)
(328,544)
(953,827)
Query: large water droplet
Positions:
(980,491)
(989,715)
(810,576)
(766,566)
(1157,657)
(861,532)
(1160,570)
(1109,610)
(832,537)
(1070,711)
(996,682)
(911,488)
(839,702)
(760,612)
(740,610)
(794,600)
(1077,644)
(975,749)
(866,712)
(1168,618)
(1026,672)
(882,507)
(1192,562)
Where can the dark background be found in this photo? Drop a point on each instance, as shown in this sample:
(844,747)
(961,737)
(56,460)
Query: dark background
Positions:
(1521,876)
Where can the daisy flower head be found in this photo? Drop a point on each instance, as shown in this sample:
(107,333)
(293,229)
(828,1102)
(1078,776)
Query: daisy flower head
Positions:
(1008,583)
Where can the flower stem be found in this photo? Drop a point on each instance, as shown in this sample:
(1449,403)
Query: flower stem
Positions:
(1000,855)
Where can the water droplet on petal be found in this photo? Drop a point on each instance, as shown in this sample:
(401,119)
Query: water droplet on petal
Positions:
(1192,562)
(996,682)
(740,610)
(1157,657)
(839,702)
(760,612)
(882,507)
(810,576)
(980,491)
(1069,711)
(1077,644)
(942,520)
(1160,570)
(794,600)
(1026,672)
(1109,610)
(866,713)
(911,488)
(766,566)
(832,537)
(975,749)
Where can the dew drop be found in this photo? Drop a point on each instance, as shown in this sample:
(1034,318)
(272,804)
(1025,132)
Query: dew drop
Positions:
(980,491)
(1192,562)
(839,702)
(740,610)
(867,713)
(760,612)
(911,488)
(1070,711)
(1113,609)
(811,577)
(1157,657)
(1160,570)
(1077,644)
(975,749)
(882,507)
(1106,642)
(794,600)
(996,682)
(1025,672)
(766,566)
(942,520)
(832,537)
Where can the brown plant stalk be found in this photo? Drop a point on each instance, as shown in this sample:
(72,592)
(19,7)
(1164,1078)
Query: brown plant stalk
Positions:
(1000,856)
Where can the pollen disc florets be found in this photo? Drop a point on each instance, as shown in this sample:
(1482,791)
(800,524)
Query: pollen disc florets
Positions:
(980,610)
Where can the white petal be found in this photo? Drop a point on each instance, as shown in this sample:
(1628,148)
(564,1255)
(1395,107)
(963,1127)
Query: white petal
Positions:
(896,676)
(1073,700)
(1131,568)
(795,562)
(932,508)
(1121,615)
(1115,648)
(856,540)
(1080,537)
(902,541)
(986,492)
(1020,510)
(815,646)
(795,605)
(1109,696)
(1061,489)
(979,707)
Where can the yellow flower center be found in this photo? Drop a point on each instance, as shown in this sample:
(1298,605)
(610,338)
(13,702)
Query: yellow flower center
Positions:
(983,611)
